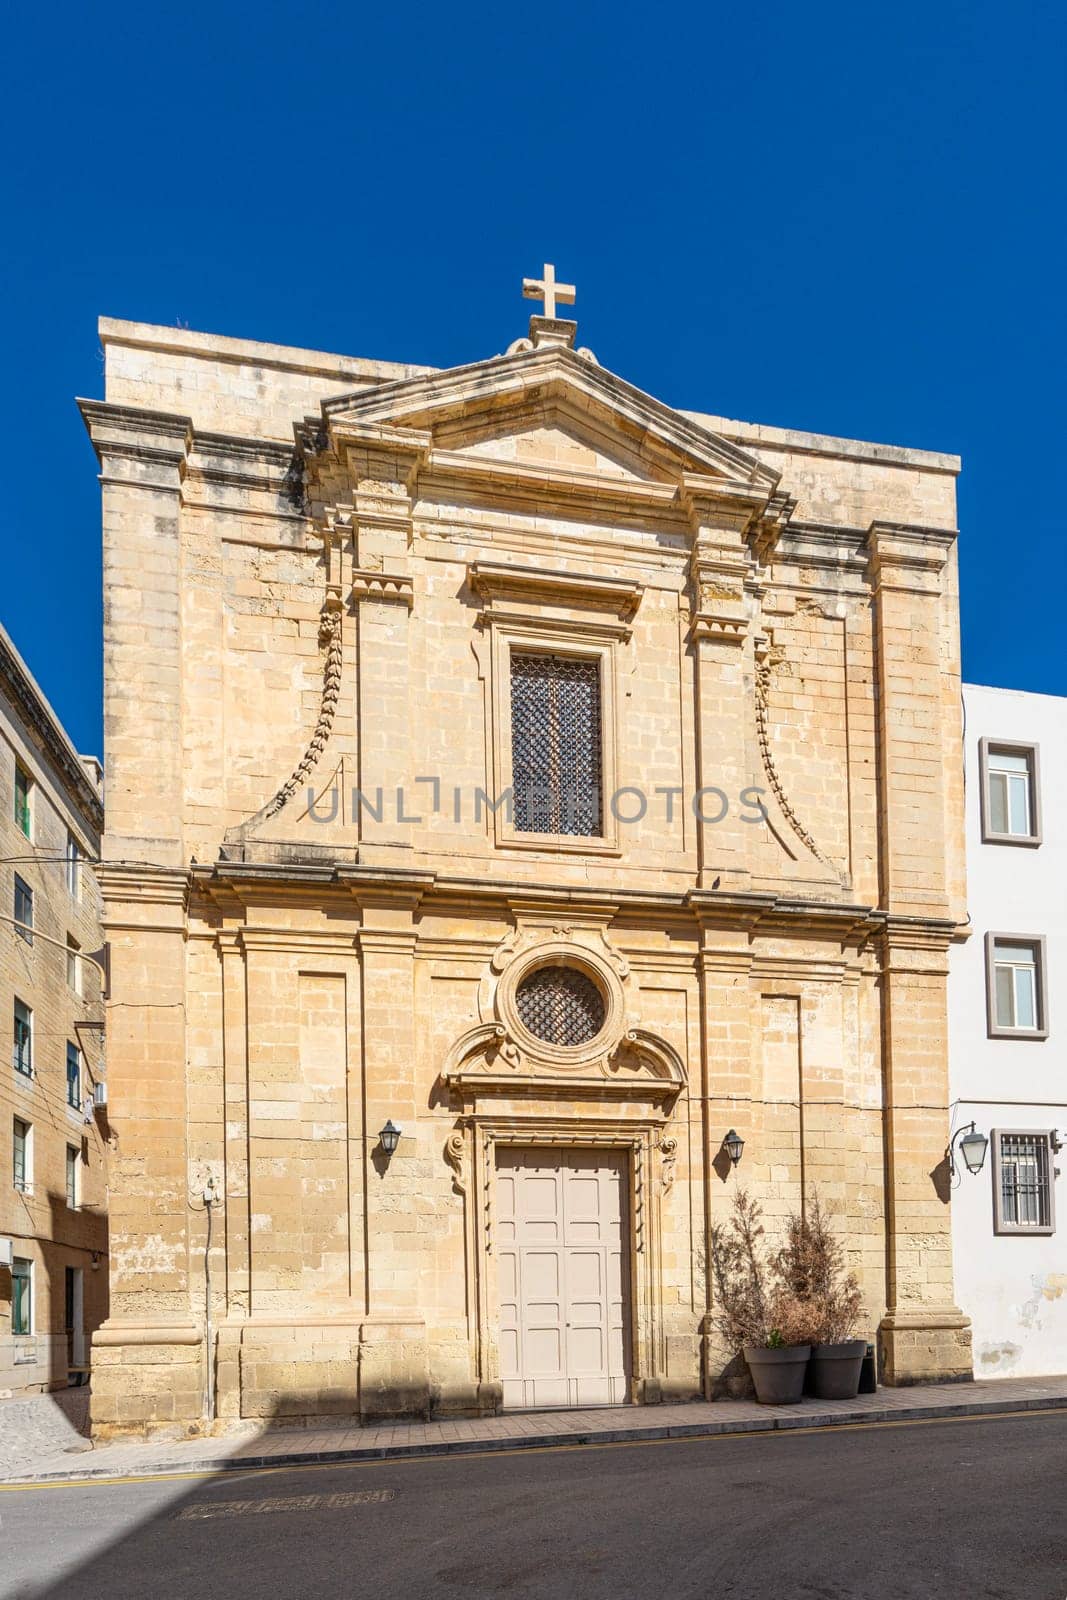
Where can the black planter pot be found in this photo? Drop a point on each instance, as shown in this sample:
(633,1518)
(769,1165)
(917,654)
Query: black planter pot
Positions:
(836,1368)
(778,1374)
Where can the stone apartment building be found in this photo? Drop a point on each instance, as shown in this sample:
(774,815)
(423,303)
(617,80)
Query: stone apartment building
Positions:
(53,1176)
(515,785)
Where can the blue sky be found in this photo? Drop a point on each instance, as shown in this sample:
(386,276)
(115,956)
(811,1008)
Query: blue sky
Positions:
(842,218)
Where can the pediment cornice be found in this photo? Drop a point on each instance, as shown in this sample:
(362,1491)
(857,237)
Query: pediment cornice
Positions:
(419,412)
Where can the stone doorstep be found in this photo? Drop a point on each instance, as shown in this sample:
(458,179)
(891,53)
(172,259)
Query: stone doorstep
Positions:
(772,1419)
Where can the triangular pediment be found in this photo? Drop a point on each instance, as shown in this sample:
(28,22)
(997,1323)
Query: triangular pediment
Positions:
(548,408)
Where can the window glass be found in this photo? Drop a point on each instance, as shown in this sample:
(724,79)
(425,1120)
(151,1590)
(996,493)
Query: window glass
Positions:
(23,909)
(23,806)
(21,1296)
(74,1076)
(23,1052)
(21,1154)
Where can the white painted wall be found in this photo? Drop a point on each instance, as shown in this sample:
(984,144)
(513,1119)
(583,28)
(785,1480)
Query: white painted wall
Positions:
(1013,1288)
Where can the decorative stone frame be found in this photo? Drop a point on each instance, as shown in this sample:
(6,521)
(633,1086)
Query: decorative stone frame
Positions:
(1037,944)
(641,1141)
(1013,747)
(553,613)
(1019,1230)
(562,952)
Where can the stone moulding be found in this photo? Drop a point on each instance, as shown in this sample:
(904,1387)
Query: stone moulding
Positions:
(330,636)
(766,659)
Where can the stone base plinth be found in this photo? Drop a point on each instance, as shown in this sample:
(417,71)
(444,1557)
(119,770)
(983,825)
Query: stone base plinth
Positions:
(928,1345)
(148,1379)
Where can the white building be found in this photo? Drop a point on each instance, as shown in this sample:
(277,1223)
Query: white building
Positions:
(1008,1035)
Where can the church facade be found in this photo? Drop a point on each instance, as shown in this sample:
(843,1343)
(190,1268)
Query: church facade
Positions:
(514,787)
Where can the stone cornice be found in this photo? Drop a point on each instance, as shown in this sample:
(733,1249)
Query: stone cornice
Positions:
(497,582)
(393,889)
(538,376)
(43,729)
(156,437)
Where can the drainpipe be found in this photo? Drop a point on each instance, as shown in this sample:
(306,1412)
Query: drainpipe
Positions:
(210,1201)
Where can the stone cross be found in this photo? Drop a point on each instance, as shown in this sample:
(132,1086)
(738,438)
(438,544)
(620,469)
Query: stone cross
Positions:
(548,290)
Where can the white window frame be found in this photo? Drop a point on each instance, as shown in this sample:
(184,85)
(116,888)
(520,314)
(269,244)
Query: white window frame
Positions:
(1043,1144)
(66,1075)
(1036,943)
(74,964)
(74,857)
(988,750)
(30,807)
(19,1073)
(26,1333)
(71,1172)
(26,1186)
(24,928)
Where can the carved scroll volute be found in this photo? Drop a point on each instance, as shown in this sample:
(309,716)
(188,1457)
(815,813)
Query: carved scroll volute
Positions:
(668,1147)
(456,1156)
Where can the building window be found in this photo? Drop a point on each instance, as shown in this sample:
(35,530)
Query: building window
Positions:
(23,1051)
(556,744)
(73,1158)
(73,861)
(74,1076)
(1022,1188)
(74,966)
(1010,793)
(1015,986)
(21,1296)
(22,1163)
(23,801)
(560,1006)
(23,909)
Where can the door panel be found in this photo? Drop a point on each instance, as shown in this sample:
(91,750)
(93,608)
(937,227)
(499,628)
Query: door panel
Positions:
(561,1277)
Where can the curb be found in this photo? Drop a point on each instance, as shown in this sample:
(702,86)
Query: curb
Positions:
(161,1468)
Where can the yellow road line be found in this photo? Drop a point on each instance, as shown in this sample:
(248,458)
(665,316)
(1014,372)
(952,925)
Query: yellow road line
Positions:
(383,1462)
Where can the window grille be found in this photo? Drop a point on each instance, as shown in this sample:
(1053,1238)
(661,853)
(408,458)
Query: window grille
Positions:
(1023,1168)
(555,744)
(560,1006)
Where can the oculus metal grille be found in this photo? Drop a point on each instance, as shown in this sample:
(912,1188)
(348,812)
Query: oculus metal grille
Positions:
(560,1006)
(1024,1195)
(555,744)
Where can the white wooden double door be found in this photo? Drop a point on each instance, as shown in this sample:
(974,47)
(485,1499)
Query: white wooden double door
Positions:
(561,1277)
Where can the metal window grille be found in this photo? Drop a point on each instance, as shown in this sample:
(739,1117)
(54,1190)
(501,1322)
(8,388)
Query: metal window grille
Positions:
(1024,1180)
(555,744)
(560,1006)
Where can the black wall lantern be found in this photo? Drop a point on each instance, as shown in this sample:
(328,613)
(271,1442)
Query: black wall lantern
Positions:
(390,1137)
(972,1147)
(733,1144)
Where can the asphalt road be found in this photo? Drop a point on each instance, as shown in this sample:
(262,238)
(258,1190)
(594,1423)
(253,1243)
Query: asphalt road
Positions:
(954,1509)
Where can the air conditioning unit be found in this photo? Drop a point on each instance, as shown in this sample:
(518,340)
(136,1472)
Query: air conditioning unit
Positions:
(7,1253)
(99,1094)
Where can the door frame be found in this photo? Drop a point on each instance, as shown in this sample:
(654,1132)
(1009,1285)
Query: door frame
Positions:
(640,1142)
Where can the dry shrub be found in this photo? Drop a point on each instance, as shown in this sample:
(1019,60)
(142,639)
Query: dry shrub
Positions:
(811,1267)
(752,1305)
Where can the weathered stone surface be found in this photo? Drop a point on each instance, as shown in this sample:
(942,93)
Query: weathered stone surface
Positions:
(768,612)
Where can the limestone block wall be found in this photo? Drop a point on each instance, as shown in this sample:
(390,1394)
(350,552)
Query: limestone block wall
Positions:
(317,569)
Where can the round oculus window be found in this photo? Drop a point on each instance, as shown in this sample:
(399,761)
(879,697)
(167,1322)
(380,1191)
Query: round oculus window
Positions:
(560,1006)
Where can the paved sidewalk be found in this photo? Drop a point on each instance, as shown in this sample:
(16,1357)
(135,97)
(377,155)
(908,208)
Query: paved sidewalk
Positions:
(33,1427)
(246,1447)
